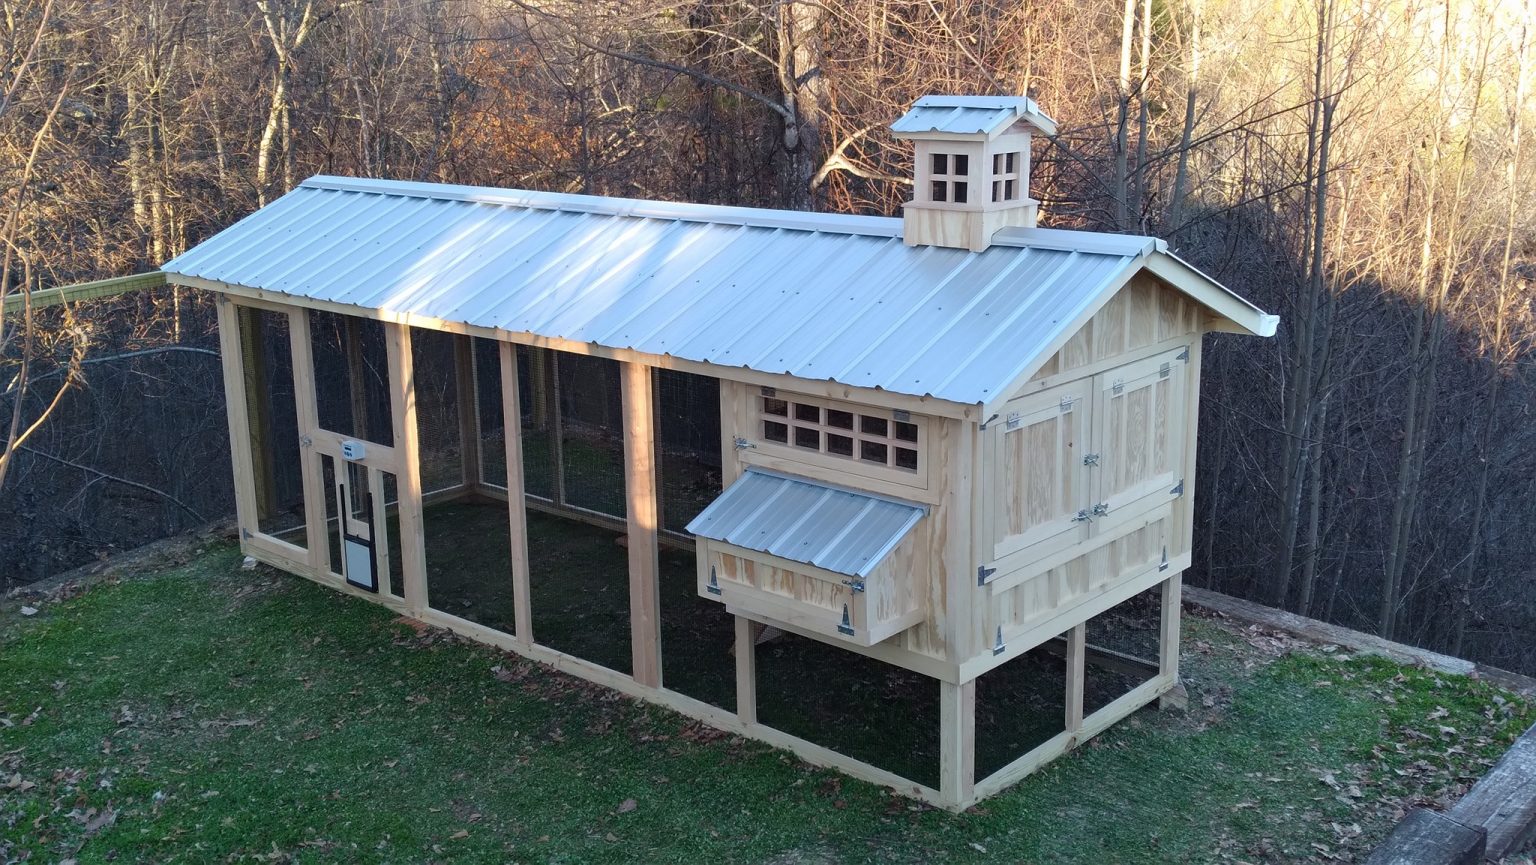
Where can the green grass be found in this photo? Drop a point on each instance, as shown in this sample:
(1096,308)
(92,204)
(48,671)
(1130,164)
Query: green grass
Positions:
(203,713)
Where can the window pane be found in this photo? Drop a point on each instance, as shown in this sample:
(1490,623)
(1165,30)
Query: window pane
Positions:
(997,190)
(907,432)
(1009,191)
(1011,157)
(875,426)
(940,192)
(941,163)
(960,195)
(775,406)
(839,419)
(962,164)
(997,163)
(806,437)
(872,452)
(805,412)
(906,458)
(840,445)
(775,431)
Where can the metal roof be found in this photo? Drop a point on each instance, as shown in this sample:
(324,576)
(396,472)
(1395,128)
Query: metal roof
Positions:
(835,529)
(815,296)
(971,115)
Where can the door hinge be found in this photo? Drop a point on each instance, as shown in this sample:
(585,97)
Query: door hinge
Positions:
(1090,459)
(854,585)
(714,585)
(999,646)
(1100,509)
(1178,488)
(846,626)
(1164,370)
(1066,403)
(1183,355)
(1083,516)
(982,572)
(1118,386)
(1014,419)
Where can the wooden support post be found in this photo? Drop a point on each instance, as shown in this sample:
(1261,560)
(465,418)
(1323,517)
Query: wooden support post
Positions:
(957,743)
(555,424)
(641,519)
(517,512)
(232,363)
(413,553)
(1168,639)
(468,408)
(258,421)
(746,670)
(307,409)
(1077,671)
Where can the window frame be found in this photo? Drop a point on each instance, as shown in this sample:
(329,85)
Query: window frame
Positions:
(897,425)
(950,179)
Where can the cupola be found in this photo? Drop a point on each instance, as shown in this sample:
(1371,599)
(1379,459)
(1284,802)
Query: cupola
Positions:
(970,168)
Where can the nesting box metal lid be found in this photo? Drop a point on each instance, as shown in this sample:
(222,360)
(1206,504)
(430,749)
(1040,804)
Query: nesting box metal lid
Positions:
(806,521)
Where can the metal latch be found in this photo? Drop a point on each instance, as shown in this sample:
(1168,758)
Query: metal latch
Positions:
(1101,509)
(1090,459)
(714,585)
(742,444)
(982,572)
(846,627)
(1083,516)
(305,441)
(855,585)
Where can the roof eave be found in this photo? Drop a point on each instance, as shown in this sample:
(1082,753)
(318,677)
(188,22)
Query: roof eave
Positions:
(1234,314)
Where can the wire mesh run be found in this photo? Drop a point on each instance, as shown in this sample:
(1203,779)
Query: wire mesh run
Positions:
(267,365)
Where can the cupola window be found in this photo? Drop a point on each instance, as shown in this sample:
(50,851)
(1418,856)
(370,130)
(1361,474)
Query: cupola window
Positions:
(1006,182)
(949,180)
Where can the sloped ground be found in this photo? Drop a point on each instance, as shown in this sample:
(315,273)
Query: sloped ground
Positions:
(197,712)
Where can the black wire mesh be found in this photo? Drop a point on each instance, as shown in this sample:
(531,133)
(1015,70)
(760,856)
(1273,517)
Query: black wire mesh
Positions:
(437,410)
(591,459)
(688,441)
(351,376)
(267,364)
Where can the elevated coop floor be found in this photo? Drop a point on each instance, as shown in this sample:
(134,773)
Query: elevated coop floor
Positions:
(868,710)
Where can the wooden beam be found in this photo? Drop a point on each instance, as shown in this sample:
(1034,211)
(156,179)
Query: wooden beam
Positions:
(253,372)
(468,405)
(1504,801)
(642,522)
(746,670)
(413,553)
(957,743)
(231,362)
(517,513)
(307,410)
(15,301)
(1076,654)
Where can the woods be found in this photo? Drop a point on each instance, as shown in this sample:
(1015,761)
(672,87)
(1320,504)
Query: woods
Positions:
(1362,170)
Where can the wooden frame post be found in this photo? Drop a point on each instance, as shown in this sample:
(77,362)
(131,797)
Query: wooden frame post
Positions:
(413,553)
(231,360)
(1077,670)
(957,743)
(746,670)
(466,395)
(517,512)
(307,409)
(1168,630)
(641,510)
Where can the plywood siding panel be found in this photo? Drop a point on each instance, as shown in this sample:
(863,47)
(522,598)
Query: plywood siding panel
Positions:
(1145,313)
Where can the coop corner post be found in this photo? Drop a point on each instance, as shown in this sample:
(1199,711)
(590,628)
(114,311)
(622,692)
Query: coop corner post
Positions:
(517,512)
(1168,648)
(641,519)
(1076,677)
(746,671)
(239,423)
(413,554)
(957,744)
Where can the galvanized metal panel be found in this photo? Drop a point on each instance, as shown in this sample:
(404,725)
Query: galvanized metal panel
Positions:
(835,529)
(971,115)
(815,296)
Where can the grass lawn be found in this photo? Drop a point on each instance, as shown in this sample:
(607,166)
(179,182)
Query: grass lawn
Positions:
(197,712)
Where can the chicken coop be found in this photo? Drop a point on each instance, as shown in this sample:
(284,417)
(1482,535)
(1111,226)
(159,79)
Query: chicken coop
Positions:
(758,466)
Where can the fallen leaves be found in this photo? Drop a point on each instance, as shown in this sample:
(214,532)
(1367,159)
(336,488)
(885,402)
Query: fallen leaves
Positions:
(627,806)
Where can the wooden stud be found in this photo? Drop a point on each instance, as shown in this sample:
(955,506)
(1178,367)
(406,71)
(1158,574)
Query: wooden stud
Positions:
(517,512)
(746,670)
(1077,644)
(641,521)
(307,409)
(413,553)
(1168,631)
(232,363)
(957,743)
(468,404)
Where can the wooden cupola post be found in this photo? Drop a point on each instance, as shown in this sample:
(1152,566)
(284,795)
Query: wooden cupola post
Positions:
(970,168)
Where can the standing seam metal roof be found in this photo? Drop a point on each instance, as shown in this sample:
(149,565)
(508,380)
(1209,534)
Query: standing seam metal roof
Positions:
(816,296)
(805,521)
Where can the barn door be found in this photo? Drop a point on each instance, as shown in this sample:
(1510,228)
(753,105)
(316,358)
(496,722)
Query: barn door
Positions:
(1036,448)
(1138,440)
